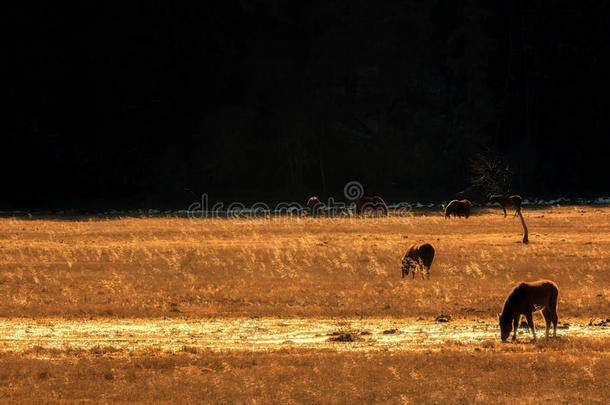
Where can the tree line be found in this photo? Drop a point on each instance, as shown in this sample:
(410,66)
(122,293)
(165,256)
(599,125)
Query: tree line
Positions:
(266,100)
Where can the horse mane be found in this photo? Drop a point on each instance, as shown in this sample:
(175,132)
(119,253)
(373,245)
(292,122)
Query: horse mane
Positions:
(510,302)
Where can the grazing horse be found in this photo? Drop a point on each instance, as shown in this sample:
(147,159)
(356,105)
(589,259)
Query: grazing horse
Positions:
(375,203)
(526,298)
(459,208)
(507,201)
(314,206)
(419,255)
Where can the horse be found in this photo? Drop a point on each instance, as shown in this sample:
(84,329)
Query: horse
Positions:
(418,255)
(374,203)
(526,298)
(507,201)
(459,208)
(314,206)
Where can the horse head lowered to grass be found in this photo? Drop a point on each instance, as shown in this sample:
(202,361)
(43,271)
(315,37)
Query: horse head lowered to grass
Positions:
(526,298)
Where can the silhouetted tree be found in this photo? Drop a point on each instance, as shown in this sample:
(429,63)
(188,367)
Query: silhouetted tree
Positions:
(491,173)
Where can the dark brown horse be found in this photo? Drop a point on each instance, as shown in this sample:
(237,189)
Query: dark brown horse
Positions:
(374,204)
(507,202)
(459,208)
(526,298)
(419,255)
(314,206)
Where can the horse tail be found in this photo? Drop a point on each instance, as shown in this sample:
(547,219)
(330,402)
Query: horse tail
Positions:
(553,303)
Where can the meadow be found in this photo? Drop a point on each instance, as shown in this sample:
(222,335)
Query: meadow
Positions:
(92,270)
(282,267)
(565,371)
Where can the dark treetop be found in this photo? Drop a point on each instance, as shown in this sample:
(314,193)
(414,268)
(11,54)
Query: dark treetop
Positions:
(125,104)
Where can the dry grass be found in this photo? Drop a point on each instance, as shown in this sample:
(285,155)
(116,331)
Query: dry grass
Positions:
(558,372)
(155,267)
(172,267)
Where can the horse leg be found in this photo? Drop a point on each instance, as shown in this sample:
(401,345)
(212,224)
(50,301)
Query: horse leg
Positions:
(530,323)
(428,272)
(554,319)
(515,326)
(406,267)
(504,209)
(547,319)
(552,308)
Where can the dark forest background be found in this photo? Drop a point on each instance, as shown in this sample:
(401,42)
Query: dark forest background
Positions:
(127,104)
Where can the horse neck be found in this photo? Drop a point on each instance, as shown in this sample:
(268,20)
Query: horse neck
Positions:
(508,307)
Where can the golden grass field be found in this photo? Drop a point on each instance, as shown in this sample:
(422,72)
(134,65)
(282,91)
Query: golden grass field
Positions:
(566,372)
(287,268)
(176,267)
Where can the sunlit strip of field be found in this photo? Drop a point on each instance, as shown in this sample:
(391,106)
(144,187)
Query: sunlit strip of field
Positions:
(173,335)
(294,268)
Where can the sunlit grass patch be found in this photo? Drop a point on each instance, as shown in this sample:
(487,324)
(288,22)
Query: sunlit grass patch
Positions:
(139,267)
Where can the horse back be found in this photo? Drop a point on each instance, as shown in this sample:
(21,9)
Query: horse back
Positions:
(506,201)
(459,207)
(313,202)
(515,200)
(423,251)
(530,296)
(375,202)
